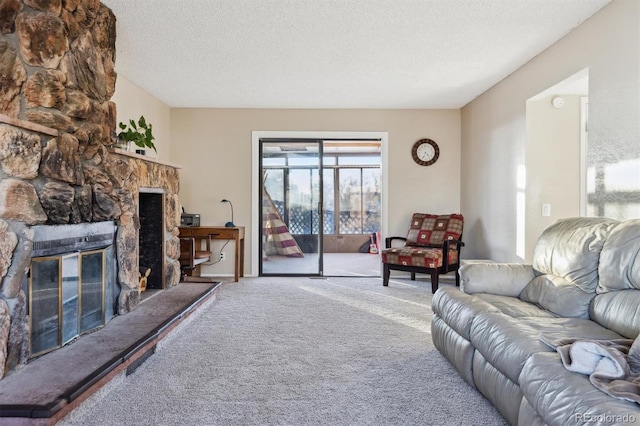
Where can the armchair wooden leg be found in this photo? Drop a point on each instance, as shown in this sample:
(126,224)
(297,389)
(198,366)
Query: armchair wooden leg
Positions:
(413,276)
(457,278)
(385,275)
(434,280)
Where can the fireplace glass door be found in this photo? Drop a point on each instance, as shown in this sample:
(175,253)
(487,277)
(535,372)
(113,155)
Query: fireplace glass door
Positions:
(45,304)
(70,302)
(66,298)
(92,290)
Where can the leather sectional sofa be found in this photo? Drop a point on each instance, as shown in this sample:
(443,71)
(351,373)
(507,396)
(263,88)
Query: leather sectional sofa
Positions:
(499,328)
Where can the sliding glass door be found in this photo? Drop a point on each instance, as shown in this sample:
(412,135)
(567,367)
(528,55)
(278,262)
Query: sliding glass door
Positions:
(291,207)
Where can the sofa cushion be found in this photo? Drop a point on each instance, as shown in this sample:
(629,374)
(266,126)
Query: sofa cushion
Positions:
(429,230)
(618,311)
(458,309)
(513,306)
(528,416)
(458,350)
(502,392)
(507,342)
(557,295)
(559,329)
(570,248)
(564,398)
(620,258)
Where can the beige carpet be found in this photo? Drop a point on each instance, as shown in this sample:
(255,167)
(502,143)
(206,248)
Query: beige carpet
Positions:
(298,351)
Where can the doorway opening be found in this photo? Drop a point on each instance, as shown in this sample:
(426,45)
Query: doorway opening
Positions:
(554,176)
(320,204)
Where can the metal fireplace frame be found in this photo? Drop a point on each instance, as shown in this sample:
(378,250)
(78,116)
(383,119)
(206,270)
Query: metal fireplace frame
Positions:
(69,249)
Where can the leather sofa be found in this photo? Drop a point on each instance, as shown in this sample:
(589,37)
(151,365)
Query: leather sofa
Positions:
(583,285)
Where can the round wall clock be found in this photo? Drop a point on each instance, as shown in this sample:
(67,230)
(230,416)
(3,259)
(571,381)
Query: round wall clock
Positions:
(425,152)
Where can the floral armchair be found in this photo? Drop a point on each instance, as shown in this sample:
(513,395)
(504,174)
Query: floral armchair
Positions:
(432,246)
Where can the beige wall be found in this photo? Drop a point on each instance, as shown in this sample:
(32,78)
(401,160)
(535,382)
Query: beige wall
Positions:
(214,147)
(132,102)
(493,125)
(552,155)
(482,146)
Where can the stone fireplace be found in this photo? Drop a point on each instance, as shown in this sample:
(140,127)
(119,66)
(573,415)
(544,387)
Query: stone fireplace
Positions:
(58,169)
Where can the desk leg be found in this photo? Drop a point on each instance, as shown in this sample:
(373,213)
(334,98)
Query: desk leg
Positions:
(237,257)
(242,257)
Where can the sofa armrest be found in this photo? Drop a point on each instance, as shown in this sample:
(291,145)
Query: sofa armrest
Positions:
(506,279)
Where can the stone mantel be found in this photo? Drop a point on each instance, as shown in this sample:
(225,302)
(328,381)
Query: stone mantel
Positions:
(144,158)
(28,125)
(34,127)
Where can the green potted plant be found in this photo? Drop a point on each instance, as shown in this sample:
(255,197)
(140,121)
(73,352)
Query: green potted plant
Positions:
(140,133)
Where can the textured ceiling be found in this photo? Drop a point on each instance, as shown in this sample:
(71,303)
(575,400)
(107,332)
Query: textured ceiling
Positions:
(333,53)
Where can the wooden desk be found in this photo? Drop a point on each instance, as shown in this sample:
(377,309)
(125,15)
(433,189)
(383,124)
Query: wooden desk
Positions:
(235,233)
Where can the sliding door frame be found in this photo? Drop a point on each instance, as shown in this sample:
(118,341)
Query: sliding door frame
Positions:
(256,177)
(320,235)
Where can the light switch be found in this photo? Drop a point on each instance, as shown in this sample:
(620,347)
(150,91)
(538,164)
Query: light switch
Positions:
(546,209)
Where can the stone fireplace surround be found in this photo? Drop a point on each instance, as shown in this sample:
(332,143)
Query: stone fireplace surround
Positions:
(57,164)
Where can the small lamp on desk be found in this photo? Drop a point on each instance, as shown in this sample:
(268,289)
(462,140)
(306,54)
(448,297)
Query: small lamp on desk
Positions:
(230,223)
